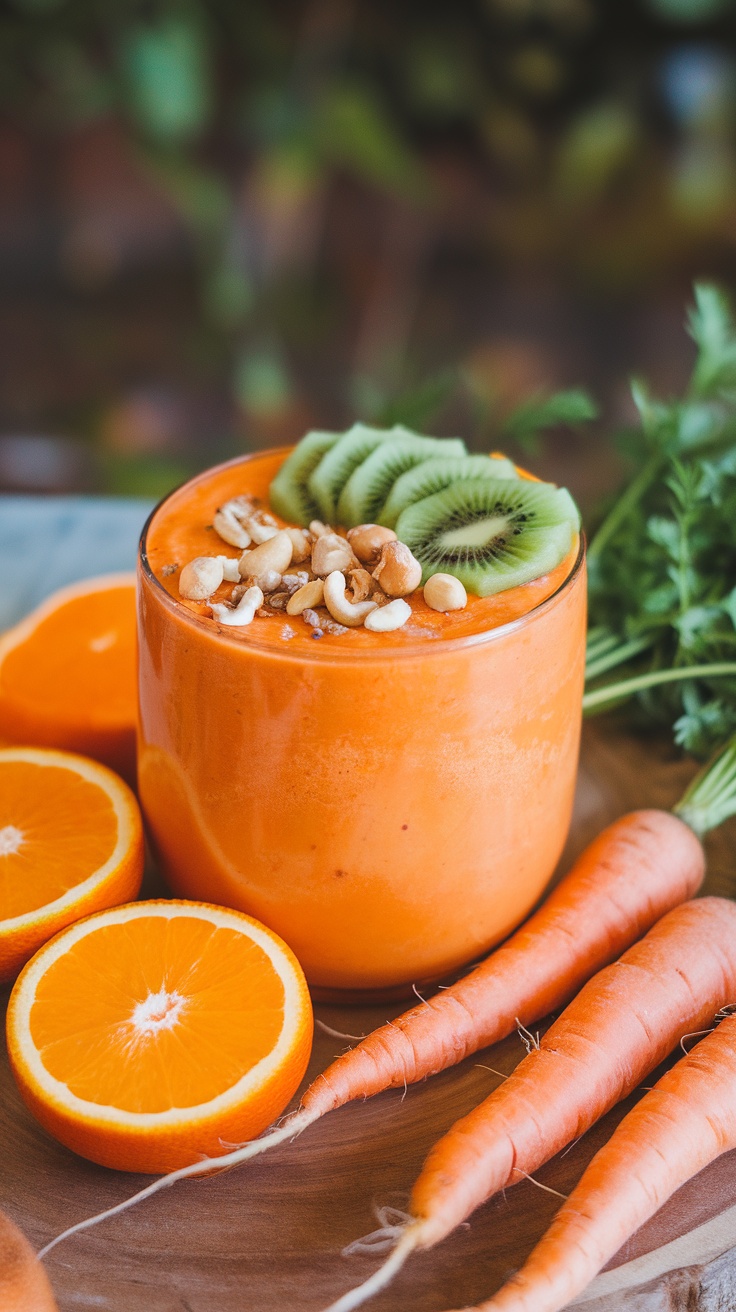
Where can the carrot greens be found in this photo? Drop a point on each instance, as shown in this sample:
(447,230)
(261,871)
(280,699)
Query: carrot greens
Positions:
(663,560)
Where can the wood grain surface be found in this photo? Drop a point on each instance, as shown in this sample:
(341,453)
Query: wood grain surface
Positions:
(268,1237)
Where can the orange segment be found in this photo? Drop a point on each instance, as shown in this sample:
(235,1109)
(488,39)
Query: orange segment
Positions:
(68,673)
(146,1036)
(71,842)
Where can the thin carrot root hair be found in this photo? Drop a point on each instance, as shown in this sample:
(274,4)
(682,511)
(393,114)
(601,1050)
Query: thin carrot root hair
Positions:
(393,1221)
(336,1034)
(408,1241)
(530,1041)
(546,1187)
(292,1127)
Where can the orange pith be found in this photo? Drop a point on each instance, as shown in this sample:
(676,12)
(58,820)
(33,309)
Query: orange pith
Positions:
(67,673)
(146,1036)
(71,842)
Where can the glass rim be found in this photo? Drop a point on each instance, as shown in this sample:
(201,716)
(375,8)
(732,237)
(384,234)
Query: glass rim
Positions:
(419,648)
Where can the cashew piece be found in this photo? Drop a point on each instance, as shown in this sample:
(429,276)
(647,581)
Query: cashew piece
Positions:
(230,571)
(352,614)
(387,618)
(261,532)
(229,526)
(200,578)
(250,602)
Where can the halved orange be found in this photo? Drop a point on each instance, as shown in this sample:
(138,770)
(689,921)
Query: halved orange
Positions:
(68,673)
(71,842)
(146,1037)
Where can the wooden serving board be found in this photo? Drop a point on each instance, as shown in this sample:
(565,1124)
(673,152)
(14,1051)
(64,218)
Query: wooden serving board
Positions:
(268,1237)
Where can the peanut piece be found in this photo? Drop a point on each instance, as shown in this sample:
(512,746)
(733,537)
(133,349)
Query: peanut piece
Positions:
(398,571)
(301,545)
(368,540)
(249,603)
(360,584)
(344,611)
(331,553)
(272,555)
(200,578)
(445,592)
(306,598)
(387,618)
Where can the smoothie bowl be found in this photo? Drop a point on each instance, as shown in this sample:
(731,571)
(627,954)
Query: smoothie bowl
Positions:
(383,780)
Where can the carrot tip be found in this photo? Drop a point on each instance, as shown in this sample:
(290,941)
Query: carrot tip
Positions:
(292,1127)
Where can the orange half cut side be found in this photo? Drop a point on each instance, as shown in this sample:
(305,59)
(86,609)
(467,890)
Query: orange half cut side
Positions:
(147,1036)
(71,842)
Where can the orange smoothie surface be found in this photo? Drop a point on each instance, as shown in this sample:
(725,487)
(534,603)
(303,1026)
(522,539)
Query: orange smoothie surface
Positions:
(181,529)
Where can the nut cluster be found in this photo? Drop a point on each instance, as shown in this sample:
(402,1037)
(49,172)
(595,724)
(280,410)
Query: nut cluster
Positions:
(333,582)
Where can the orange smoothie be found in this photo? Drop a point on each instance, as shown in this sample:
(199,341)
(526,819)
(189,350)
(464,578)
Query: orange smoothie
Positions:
(391,804)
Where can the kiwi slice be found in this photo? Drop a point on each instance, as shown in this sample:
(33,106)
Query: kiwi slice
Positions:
(334,469)
(435,474)
(289,495)
(491,534)
(367,488)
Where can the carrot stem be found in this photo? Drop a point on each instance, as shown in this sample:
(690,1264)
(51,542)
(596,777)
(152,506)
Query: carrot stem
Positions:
(603,657)
(617,692)
(711,797)
(626,503)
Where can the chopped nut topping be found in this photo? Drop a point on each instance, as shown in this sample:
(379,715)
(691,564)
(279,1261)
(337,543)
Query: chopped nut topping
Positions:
(345,612)
(331,552)
(360,584)
(306,598)
(398,571)
(368,540)
(293,582)
(200,578)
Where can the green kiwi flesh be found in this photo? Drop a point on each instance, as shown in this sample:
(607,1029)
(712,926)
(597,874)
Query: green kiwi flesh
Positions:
(370,483)
(491,534)
(334,469)
(435,474)
(288,494)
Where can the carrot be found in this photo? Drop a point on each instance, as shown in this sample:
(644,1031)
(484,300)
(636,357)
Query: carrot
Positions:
(686,1121)
(619,1027)
(637,869)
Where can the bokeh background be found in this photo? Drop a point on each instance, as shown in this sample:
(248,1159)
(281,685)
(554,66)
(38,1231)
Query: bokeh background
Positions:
(225,221)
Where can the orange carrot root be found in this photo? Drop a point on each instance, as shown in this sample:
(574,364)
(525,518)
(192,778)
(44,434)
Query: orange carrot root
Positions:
(631,874)
(622,1024)
(686,1121)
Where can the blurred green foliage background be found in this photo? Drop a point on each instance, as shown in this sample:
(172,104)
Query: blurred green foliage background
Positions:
(225,221)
